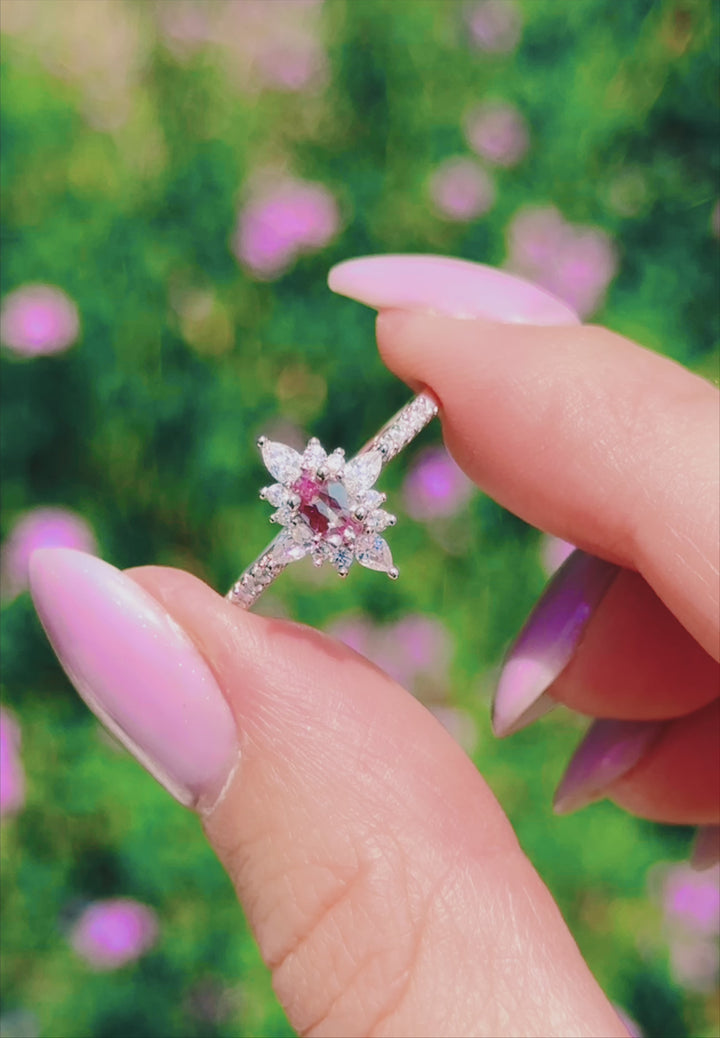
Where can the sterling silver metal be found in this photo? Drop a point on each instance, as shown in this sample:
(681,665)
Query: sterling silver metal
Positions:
(354,477)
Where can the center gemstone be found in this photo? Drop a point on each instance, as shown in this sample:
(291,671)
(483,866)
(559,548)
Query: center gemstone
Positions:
(325,507)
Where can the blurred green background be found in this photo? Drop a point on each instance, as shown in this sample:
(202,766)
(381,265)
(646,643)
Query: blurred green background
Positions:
(178,177)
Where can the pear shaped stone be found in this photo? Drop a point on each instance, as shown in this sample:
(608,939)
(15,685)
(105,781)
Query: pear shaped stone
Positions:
(373,552)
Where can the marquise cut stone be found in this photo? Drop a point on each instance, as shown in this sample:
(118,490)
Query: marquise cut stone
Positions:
(282,462)
(361,472)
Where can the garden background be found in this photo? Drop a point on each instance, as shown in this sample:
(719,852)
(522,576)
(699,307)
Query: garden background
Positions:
(178,177)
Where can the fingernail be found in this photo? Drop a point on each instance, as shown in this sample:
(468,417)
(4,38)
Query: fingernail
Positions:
(548,641)
(608,751)
(449,286)
(138,671)
(706,849)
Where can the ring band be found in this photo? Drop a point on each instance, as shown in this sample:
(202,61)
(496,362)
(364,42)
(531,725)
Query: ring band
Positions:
(327,506)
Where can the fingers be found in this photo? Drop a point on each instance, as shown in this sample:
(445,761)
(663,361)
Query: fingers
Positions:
(383,882)
(635,661)
(667,772)
(583,434)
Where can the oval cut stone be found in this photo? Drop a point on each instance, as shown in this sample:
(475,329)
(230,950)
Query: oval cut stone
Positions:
(325,507)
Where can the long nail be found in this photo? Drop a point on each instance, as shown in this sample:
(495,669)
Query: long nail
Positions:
(706,849)
(449,286)
(138,671)
(608,751)
(549,640)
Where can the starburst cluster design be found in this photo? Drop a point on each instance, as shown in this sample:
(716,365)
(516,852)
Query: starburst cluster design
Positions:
(328,506)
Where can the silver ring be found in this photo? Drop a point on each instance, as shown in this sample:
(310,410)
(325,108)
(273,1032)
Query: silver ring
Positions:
(328,507)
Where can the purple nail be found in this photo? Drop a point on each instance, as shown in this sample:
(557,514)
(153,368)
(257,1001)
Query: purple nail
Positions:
(706,850)
(608,751)
(548,641)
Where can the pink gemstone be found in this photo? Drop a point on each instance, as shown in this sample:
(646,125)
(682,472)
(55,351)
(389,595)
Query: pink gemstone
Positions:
(326,508)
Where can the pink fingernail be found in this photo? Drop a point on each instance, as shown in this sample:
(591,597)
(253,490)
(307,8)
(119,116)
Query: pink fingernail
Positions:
(549,640)
(138,671)
(450,286)
(608,751)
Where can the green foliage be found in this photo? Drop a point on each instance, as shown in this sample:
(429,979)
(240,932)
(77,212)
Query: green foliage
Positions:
(147,428)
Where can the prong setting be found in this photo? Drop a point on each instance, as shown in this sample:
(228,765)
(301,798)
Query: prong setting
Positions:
(327,506)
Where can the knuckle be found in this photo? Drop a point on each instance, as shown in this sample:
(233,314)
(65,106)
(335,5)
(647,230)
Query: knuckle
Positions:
(352,950)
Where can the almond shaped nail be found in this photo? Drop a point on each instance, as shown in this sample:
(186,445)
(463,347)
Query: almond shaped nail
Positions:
(548,640)
(138,671)
(609,750)
(443,284)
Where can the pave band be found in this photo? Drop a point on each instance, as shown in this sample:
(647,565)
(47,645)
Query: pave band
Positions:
(327,506)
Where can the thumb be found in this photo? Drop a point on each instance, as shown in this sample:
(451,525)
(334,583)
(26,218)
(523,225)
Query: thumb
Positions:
(383,882)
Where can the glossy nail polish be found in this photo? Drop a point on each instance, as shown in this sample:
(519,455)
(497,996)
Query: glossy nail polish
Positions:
(609,750)
(548,640)
(138,671)
(442,284)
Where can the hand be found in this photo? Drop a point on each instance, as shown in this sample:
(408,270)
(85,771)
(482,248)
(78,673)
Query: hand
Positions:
(384,884)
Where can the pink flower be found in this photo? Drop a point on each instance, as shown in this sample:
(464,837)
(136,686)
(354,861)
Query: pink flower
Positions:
(435,487)
(576,263)
(692,899)
(280,223)
(553,552)
(690,902)
(40,528)
(111,933)
(36,320)
(416,651)
(12,776)
(461,189)
(495,25)
(497,132)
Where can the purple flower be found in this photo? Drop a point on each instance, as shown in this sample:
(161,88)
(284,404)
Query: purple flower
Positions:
(497,132)
(435,487)
(461,189)
(37,320)
(12,776)
(281,222)
(40,528)
(553,552)
(495,25)
(576,263)
(111,933)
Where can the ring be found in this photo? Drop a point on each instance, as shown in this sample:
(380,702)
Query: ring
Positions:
(327,506)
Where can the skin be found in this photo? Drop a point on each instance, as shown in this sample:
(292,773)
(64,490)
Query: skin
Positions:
(384,884)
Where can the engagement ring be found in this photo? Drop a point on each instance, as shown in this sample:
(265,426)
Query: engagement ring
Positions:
(328,507)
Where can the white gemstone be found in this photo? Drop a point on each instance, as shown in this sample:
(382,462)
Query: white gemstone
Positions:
(284,515)
(361,472)
(281,461)
(372,499)
(314,456)
(276,495)
(373,552)
(335,464)
(286,550)
(342,559)
(378,520)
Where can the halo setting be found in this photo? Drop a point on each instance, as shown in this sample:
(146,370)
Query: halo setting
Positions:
(328,507)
